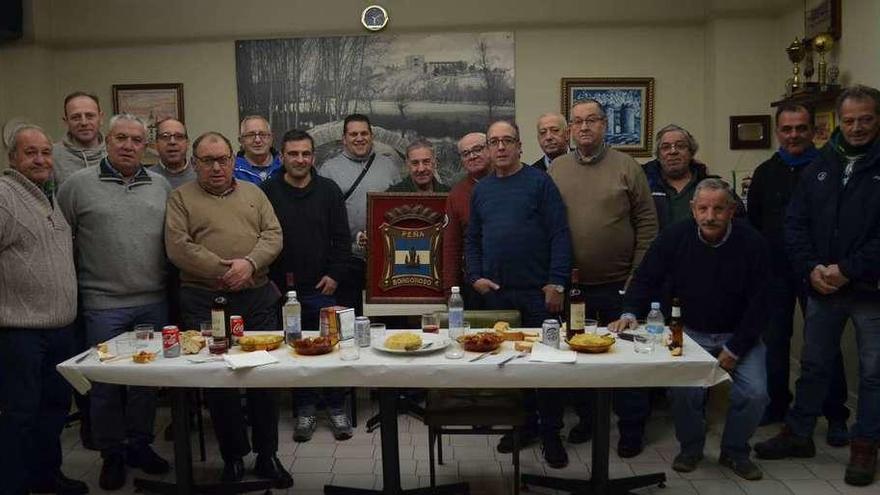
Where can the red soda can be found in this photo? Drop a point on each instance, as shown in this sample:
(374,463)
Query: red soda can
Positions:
(170,341)
(236,324)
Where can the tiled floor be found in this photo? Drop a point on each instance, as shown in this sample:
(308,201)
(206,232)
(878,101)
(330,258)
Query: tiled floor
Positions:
(356,462)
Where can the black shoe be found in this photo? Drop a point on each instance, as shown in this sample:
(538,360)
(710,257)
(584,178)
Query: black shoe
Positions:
(232,471)
(629,448)
(684,463)
(785,444)
(60,484)
(112,472)
(554,452)
(743,468)
(146,459)
(526,438)
(269,467)
(581,433)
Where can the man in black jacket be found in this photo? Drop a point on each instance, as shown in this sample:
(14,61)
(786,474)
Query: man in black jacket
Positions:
(313,259)
(553,138)
(832,233)
(716,267)
(772,185)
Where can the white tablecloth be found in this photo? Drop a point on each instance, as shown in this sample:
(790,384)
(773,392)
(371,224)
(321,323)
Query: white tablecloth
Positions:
(620,367)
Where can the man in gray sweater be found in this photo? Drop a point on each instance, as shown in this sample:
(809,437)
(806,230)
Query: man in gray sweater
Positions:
(357,171)
(116,211)
(37,309)
(82,144)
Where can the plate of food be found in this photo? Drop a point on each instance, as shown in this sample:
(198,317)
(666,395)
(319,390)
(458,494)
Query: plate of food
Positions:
(481,341)
(313,346)
(591,342)
(411,343)
(261,342)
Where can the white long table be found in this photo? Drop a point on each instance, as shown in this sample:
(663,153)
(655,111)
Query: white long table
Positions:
(618,368)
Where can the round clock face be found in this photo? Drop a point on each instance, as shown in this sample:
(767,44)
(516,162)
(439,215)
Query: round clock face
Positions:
(374,17)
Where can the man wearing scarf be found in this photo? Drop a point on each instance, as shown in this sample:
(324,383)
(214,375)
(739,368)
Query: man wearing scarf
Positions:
(832,234)
(773,183)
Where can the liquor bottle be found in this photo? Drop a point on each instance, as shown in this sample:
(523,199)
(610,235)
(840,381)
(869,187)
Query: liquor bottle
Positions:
(577,307)
(676,326)
(219,321)
(292,313)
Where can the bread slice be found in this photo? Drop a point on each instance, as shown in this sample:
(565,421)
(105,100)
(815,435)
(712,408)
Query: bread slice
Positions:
(523,346)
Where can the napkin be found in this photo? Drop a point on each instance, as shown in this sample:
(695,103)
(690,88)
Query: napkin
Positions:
(497,358)
(249,359)
(546,354)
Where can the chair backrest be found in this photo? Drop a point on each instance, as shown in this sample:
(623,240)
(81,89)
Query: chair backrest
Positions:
(484,318)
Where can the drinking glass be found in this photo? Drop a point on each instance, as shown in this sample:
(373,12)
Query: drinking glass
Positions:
(143,332)
(454,350)
(643,343)
(590,325)
(430,323)
(207,329)
(377,333)
(349,350)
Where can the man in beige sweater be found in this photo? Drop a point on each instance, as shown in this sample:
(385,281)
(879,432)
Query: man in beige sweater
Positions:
(613,222)
(223,235)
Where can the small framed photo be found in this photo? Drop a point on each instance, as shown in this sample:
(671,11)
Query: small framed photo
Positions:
(749,132)
(153,103)
(629,106)
(823,126)
(822,16)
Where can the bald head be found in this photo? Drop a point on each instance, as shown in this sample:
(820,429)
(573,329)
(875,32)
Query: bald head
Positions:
(473,153)
(31,153)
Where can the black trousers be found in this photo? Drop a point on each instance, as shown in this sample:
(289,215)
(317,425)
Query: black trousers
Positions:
(258,307)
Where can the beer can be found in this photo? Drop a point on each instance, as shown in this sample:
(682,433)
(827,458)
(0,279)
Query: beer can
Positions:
(170,341)
(550,333)
(362,331)
(236,325)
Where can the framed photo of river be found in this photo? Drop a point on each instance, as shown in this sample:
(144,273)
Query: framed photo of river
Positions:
(628,104)
(404,247)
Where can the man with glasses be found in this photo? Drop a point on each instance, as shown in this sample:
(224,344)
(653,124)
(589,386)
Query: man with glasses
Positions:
(82,144)
(223,234)
(475,160)
(613,222)
(257,160)
(674,174)
(357,171)
(116,212)
(553,138)
(832,233)
(172,143)
(518,252)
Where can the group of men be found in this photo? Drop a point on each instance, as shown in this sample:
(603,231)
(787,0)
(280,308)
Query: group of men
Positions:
(90,238)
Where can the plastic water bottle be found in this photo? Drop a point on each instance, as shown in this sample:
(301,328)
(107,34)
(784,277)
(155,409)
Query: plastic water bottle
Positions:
(655,324)
(456,309)
(292,314)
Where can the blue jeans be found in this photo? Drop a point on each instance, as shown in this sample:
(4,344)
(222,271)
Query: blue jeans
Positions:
(307,398)
(826,318)
(114,421)
(34,400)
(748,397)
(783,291)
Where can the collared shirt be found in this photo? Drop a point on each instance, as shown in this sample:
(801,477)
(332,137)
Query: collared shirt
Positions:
(719,243)
(109,173)
(589,160)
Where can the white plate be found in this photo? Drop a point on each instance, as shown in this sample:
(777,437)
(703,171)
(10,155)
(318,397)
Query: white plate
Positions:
(440,342)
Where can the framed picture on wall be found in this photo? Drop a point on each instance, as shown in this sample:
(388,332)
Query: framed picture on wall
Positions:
(629,107)
(823,127)
(153,103)
(822,16)
(749,132)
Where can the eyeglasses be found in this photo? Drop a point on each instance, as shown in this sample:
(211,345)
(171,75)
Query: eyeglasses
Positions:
(591,121)
(506,141)
(168,136)
(208,161)
(476,150)
(253,135)
(667,147)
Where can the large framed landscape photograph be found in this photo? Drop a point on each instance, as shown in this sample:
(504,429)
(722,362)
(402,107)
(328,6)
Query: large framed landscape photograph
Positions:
(152,103)
(629,106)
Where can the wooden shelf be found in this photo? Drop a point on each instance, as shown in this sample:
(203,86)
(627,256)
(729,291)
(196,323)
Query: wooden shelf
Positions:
(812,98)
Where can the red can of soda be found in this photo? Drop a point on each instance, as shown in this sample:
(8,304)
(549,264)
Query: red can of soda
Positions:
(236,325)
(170,341)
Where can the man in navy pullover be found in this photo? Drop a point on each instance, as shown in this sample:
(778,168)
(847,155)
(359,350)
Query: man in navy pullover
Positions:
(518,253)
(716,267)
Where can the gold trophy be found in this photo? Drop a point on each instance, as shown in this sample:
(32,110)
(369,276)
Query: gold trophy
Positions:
(796,54)
(823,44)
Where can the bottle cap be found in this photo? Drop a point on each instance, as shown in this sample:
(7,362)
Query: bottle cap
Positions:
(655,305)
(291,293)
(455,289)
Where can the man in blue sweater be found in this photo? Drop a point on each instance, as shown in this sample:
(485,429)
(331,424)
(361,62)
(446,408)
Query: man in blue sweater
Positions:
(518,250)
(716,267)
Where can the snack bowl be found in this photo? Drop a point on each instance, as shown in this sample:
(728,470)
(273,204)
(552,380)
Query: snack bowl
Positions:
(481,341)
(312,346)
(591,343)
(262,342)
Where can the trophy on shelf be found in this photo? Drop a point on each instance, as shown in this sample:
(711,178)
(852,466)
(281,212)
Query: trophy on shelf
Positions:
(796,53)
(822,44)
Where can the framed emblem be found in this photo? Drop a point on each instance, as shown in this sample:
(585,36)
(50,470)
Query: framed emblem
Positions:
(404,250)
